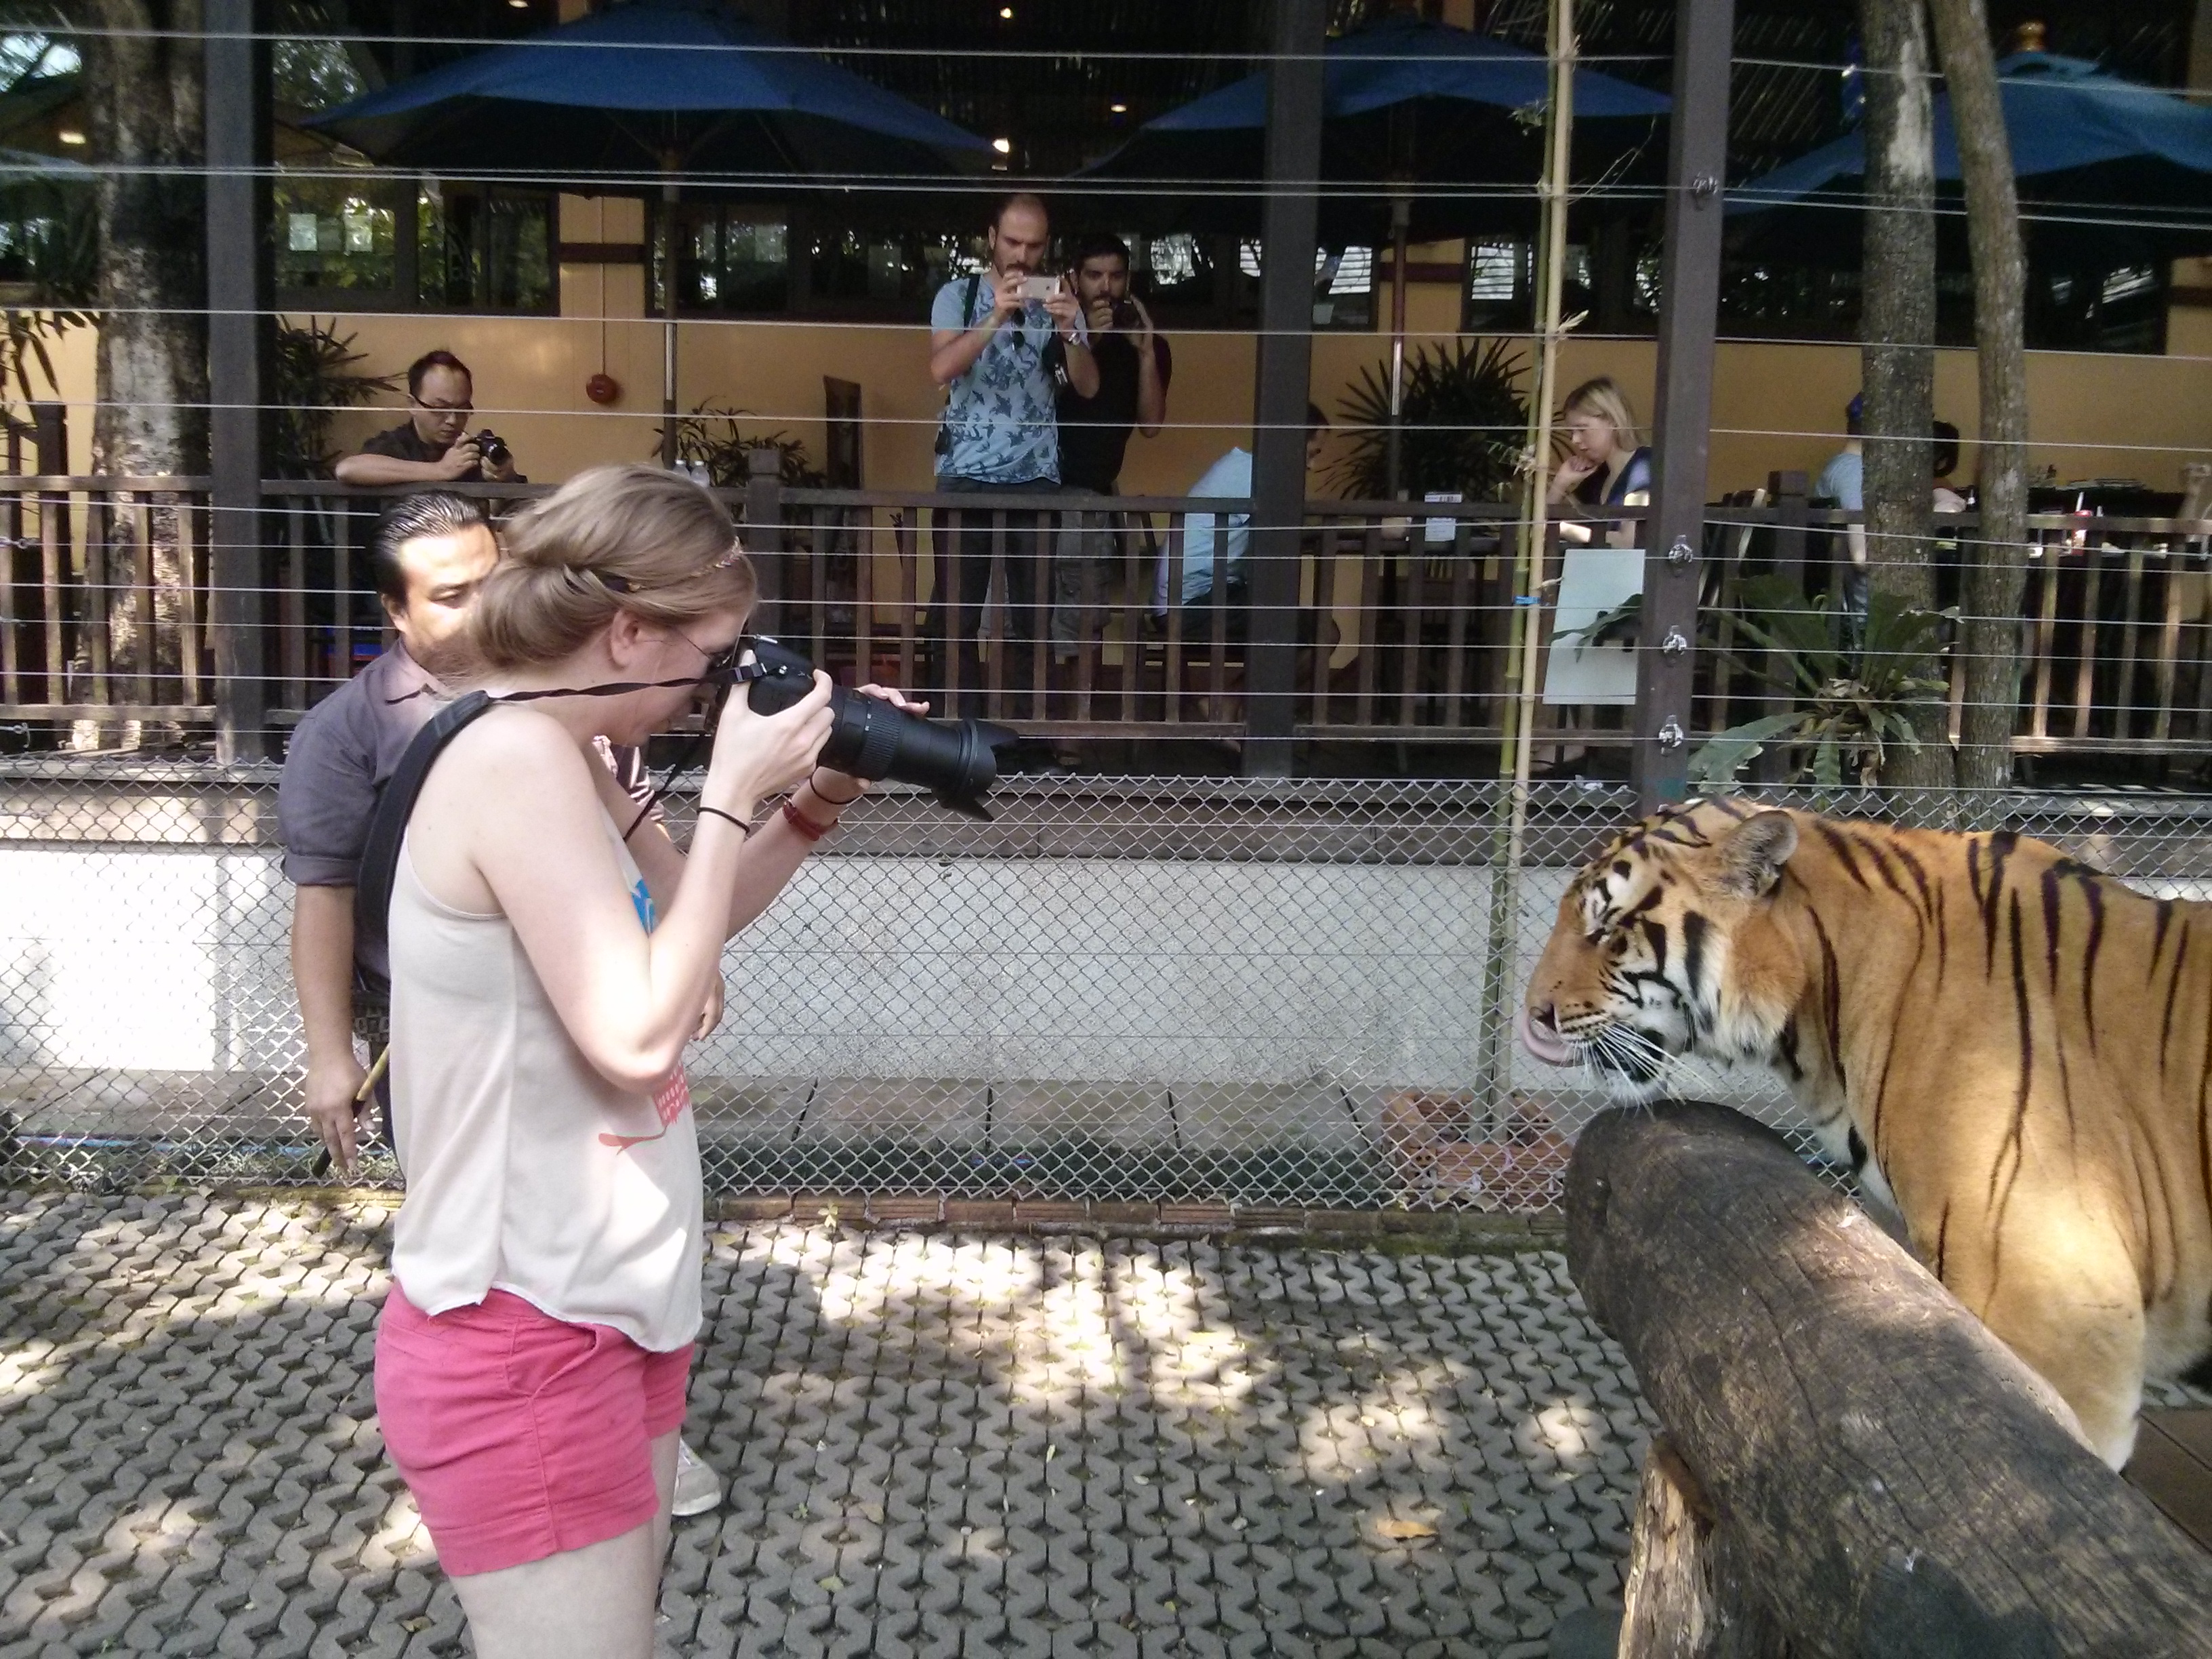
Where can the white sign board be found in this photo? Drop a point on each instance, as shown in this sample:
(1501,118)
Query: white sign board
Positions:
(1592,581)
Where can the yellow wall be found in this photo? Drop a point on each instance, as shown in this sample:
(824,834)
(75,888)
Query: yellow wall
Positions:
(1774,406)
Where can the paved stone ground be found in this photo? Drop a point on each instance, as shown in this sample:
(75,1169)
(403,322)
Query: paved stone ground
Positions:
(937,1444)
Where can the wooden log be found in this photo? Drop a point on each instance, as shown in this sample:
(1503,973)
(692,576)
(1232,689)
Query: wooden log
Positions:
(1686,1596)
(1891,1478)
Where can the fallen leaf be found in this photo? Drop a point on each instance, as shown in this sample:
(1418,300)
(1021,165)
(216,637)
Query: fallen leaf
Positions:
(1401,1530)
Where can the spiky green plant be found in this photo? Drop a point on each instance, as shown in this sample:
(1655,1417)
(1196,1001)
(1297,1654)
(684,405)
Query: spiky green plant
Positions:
(1463,421)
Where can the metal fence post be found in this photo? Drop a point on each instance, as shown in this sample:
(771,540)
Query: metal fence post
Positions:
(1289,215)
(764,537)
(1689,304)
(237,122)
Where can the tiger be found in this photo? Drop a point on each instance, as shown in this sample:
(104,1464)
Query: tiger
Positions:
(2011,1050)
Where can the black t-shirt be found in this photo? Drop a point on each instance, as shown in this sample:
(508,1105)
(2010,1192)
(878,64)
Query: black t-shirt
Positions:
(1094,432)
(403,443)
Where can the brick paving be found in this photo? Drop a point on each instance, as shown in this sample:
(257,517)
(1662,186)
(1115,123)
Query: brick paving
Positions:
(937,1444)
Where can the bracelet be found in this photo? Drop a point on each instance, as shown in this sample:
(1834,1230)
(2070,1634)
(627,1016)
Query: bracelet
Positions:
(831,800)
(743,828)
(806,827)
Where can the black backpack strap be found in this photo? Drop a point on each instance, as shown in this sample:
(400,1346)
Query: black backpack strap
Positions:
(387,829)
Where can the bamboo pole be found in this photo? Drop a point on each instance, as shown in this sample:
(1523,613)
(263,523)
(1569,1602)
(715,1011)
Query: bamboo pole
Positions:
(1523,662)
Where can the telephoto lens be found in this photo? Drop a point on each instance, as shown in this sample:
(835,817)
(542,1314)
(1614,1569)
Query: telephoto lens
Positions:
(955,760)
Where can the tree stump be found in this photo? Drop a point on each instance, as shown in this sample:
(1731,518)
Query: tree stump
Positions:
(1884,1475)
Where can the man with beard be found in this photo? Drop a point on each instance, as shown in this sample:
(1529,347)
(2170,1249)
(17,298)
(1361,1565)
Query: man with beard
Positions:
(1133,367)
(428,556)
(1002,342)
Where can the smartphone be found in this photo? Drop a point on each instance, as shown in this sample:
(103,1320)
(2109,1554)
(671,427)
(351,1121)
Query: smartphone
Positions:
(1040,287)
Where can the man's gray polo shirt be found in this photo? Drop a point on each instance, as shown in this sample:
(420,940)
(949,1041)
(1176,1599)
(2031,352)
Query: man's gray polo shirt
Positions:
(339,760)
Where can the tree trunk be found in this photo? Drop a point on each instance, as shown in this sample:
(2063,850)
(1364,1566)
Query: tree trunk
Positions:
(1996,568)
(1889,1477)
(1686,1598)
(1899,334)
(142,79)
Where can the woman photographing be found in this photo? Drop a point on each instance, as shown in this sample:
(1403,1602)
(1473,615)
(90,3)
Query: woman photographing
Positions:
(1604,465)
(532,1353)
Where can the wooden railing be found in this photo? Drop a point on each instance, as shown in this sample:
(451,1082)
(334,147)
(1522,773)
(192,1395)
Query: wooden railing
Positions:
(104,599)
(1402,630)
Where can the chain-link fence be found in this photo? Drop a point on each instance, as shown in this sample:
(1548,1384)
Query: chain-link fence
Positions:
(1292,994)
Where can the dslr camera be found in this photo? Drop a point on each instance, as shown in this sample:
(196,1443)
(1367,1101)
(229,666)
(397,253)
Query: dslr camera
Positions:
(492,448)
(955,760)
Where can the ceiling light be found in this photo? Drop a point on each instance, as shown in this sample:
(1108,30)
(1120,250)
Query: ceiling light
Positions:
(1006,13)
(70,135)
(1004,146)
(519,5)
(1118,109)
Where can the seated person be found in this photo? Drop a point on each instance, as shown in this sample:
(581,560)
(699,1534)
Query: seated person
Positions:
(1843,484)
(1944,462)
(1229,477)
(1604,466)
(431,446)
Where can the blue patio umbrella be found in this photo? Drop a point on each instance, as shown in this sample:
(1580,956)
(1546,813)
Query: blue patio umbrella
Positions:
(1452,118)
(613,100)
(2110,172)
(646,97)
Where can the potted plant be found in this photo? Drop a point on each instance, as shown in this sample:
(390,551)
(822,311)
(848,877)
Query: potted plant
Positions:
(1463,422)
(1857,698)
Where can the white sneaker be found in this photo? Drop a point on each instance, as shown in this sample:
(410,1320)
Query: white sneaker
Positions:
(698,1488)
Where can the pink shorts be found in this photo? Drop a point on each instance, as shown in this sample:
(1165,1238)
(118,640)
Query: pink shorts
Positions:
(521,1435)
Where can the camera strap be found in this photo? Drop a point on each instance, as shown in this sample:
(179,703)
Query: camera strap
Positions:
(387,825)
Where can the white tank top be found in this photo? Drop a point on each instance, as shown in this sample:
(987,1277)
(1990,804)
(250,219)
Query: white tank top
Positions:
(528,1171)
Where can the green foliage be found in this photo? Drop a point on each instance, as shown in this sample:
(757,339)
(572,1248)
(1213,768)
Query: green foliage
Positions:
(24,348)
(315,379)
(709,436)
(1464,423)
(1855,702)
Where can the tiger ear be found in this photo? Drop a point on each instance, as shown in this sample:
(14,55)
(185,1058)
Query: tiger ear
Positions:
(1751,859)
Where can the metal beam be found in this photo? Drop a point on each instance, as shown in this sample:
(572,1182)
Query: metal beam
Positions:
(1288,217)
(239,317)
(1689,303)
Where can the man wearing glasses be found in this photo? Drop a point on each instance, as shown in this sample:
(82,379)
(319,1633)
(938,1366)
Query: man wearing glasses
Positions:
(432,445)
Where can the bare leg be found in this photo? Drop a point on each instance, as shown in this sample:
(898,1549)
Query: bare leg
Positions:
(596,1602)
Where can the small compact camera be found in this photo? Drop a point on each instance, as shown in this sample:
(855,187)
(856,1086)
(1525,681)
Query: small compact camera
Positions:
(492,448)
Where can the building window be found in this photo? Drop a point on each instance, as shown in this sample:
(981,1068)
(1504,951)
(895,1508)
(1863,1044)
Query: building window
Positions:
(464,247)
(337,234)
(733,259)
(871,268)
(1344,289)
(484,248)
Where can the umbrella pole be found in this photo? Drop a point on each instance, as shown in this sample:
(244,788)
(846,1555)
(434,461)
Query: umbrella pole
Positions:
(1522,665)
(1401,209)
(668,260)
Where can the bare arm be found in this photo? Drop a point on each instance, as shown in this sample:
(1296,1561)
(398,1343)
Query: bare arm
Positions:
(391,470)
(1152,390)
(1067,320)
(629,998)
(322,977)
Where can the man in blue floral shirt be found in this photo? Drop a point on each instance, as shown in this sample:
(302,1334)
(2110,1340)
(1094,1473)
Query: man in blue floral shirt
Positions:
(1002,350)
